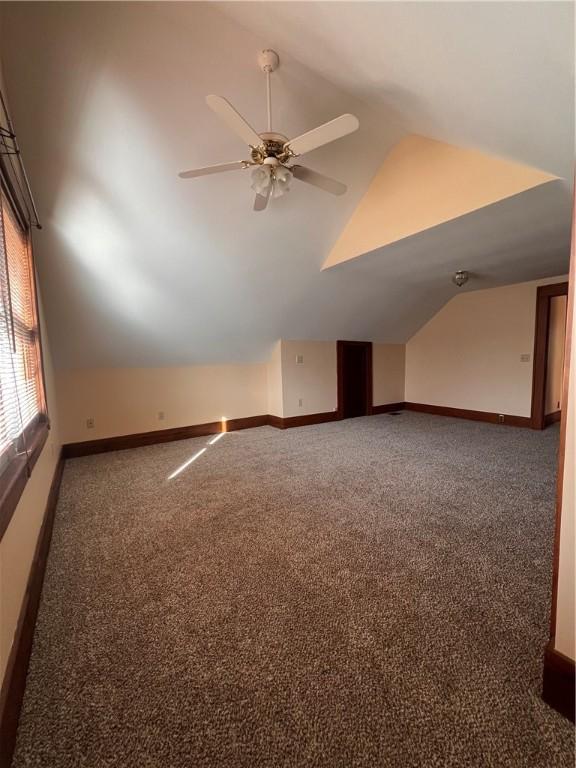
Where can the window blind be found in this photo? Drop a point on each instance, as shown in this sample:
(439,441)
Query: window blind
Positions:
(21,395)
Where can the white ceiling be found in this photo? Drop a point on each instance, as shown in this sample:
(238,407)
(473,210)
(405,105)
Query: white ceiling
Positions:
(496,76)
(138,267)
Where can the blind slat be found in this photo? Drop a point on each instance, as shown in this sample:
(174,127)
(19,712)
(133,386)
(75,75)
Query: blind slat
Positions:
(20,373)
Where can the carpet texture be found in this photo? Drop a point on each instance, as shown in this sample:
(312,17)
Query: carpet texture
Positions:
(373,592)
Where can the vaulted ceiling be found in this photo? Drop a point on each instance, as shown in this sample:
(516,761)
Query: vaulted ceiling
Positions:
(138,267)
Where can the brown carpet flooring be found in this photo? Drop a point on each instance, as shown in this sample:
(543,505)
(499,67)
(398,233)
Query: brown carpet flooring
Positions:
(373,592)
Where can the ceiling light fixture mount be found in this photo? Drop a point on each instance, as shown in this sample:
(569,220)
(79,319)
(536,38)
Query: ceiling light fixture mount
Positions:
(460,277)
(268,60)
(271,152)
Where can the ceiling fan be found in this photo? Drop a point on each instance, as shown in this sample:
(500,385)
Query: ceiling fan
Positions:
(272,154)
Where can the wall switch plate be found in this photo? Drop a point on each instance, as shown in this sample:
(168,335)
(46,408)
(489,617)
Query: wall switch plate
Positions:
(90,423)
(299,359)
(300,402)
(525,357)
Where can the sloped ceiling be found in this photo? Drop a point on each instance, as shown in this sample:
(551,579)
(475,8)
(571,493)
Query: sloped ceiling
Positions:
(140,268)
(423,183)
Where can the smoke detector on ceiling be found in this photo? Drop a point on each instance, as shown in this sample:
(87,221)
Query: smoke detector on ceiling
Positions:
(460,277)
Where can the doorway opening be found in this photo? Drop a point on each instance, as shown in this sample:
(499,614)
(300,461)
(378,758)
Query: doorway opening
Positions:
(551,306)
(354,378)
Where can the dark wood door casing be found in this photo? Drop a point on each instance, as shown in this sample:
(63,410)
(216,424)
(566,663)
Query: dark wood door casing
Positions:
(544,294)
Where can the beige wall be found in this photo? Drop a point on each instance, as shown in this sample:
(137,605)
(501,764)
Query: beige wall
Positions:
(274,381)
(128,400)
(555,360)
(469,354)
(124,401)
(314,381)
(388,373)
(565,616)
(565,620)
(19,541)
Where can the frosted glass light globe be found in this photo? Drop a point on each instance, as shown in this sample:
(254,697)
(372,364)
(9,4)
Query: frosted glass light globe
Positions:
(261,179)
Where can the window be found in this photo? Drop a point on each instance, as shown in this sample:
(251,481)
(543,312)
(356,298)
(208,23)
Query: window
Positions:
(23,421)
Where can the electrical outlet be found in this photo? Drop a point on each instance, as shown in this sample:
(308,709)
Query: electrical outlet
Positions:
(525,357)
(90,423)
(299,359)
(161,415)
(300,402)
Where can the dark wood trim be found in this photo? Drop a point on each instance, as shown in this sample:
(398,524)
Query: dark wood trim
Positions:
(14,683)
(34,438)
(340,379)
(340,345)
(559,681)
(464,413)
(388,408)
(309,419)
(302,421)
(369,380)
(12,484)
(124,442)
(552,418)
(543,296)
(15,476)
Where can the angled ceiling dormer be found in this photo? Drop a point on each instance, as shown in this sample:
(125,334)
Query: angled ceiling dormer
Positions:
(423,183)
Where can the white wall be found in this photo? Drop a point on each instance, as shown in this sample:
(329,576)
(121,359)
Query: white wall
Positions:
(388,373)
(125,401)
(469,354)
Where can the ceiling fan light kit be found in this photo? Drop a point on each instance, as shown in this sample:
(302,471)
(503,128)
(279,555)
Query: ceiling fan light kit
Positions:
(271,179)
(271,152)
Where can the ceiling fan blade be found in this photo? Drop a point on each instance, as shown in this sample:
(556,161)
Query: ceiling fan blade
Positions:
(324,134)
(234,120)
(236,165)
(318,180)
(261,201)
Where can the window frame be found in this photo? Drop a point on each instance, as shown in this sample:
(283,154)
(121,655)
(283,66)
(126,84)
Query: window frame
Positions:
(15,474)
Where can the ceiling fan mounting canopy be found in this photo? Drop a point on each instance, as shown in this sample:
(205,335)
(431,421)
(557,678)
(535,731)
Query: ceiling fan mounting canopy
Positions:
(268,60)
(271,151)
